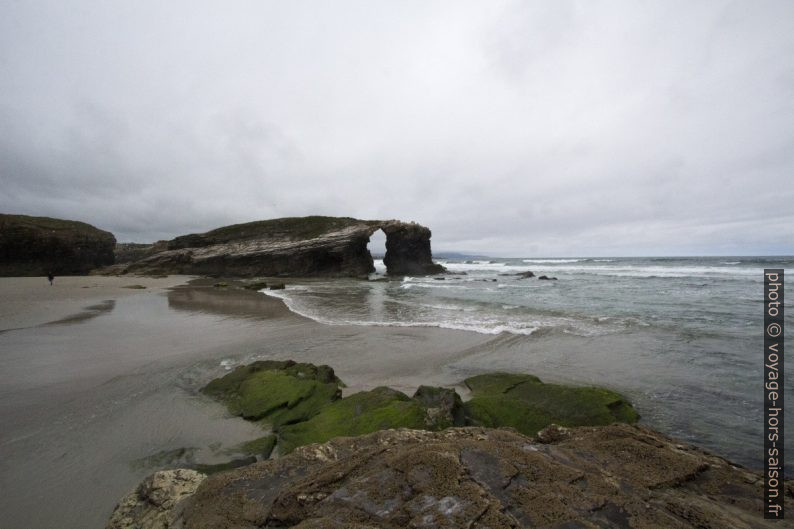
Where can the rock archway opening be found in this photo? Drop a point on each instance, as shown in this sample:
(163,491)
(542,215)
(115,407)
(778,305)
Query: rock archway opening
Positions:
(377,249)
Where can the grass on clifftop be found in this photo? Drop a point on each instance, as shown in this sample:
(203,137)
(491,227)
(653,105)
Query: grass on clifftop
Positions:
(525,403)
(49,223)
(284,228)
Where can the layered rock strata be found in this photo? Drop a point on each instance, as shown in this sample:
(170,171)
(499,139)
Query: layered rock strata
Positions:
(299,247)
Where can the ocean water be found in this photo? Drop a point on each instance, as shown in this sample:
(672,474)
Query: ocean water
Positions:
(682,337)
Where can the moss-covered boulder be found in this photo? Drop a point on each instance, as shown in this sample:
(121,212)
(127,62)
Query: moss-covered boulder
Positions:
(223,467)
(361,413)
(525,403)
(262,446)
(302,404)
(276,392)
(443,407)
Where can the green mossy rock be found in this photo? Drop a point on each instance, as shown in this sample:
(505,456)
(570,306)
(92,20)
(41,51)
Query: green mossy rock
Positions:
(276,392)
(262,446)
(223,467)
(361,413)
(302,404)
(525,403)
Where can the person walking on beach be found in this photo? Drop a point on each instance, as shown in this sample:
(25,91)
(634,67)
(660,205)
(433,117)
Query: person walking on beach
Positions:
(50,277)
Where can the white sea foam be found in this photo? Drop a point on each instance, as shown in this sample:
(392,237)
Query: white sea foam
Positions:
(552,261)
(445,316)
(462,325)
(228,363)
(659,271)
(485,267)
(479,303)
(607,267)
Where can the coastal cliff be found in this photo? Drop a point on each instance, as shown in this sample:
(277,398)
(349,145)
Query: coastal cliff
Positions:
(35,246)
(295,246)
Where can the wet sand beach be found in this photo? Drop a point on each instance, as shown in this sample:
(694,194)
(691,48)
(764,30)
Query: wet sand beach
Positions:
(100,383)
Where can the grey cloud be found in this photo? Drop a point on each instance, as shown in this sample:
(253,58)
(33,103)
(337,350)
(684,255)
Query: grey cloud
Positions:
(513,128)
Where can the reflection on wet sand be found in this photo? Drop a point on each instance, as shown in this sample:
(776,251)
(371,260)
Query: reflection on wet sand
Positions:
(88,313)
(226,302)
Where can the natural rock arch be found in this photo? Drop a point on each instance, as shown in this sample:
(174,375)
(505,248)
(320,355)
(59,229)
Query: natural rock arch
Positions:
(408,249)
(295,246)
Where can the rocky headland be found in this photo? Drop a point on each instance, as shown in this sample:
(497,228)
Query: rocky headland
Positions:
(295,246)
(518,453)
(36,246)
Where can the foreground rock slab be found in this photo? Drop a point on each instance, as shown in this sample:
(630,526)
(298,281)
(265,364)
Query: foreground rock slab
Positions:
(617,476)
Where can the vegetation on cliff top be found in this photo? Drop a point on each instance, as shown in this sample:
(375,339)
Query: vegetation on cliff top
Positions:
(34,246)
(288,228)
(49,223)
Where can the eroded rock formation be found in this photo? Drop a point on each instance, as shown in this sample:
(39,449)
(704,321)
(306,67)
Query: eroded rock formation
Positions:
(408,250)
(129,252)
(299,246)
(616,476)
(155,502)
(34,246)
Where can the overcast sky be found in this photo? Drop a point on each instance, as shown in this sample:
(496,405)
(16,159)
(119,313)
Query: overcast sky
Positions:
(511,128)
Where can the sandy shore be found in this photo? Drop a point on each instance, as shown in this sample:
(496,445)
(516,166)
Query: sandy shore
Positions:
(31,301)
(100,380)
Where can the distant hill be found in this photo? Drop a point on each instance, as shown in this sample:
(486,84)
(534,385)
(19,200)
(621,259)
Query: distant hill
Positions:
(458,255)
(35,246)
